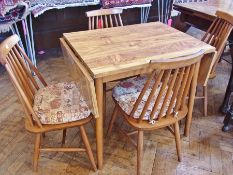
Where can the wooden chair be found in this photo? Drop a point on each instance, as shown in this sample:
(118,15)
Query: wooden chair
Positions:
(217,36)
(157,100)
(104,18)
(51,107)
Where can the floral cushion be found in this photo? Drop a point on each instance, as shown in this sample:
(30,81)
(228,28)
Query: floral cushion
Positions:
(127,92)
(60,103)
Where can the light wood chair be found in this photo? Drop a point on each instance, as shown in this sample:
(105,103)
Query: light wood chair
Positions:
(157,100)
(67,101)
(104,18)
(217,36)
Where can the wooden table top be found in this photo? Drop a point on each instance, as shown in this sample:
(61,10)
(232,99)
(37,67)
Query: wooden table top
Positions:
(117,50)
(207,7)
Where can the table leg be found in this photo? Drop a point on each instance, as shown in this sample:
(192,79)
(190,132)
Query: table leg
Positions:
(225,105)
(191,102)
(99,122)
(104,104)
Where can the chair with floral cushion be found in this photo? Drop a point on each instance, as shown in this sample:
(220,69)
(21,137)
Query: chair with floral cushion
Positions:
(157,100)
(48,107)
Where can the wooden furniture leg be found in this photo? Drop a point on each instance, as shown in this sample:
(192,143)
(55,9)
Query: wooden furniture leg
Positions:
(189,116)
(36,151)
(139,152)
(63,137)
(177,138)
(88,147)
(191,103)
(104,103)
(99,122)
(111,123)
(205,93)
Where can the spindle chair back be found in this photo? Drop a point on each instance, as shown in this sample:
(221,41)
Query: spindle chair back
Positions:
(170,82)
(218,33)
(104,18)
(24,79)
(217,36)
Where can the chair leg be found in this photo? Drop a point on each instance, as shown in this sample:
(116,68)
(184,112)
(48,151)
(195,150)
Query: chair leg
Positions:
(113,118)
(104,104)
(63,137)
(177,138)
(190,106)
(87,146)
(36,151)
(205,91)
(139,152)
(93,124)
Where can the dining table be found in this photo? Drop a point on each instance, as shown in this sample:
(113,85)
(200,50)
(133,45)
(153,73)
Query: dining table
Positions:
(201,15)
(114,53)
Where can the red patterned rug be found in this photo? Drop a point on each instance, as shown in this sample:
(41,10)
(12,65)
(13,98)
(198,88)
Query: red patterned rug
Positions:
(38,7)
(11,11)
(7,5)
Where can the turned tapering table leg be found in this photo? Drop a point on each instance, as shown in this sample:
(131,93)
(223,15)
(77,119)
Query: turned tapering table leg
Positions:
(99,122)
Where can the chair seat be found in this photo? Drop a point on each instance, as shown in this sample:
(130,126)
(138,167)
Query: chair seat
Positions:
(127,92)
(60,103)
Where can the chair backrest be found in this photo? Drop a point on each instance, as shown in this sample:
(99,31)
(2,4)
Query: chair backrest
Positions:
(219,32)
(168,86)
(81,75)
(23,74)
(104,18)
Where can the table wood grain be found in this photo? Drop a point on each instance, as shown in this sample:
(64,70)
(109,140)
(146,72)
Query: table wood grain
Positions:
(115,50)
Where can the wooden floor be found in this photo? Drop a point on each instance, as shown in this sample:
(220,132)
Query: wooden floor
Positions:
(208,151)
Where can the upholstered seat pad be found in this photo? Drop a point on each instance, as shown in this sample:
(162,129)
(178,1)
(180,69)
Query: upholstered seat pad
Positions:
(127,92)
(60,103)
